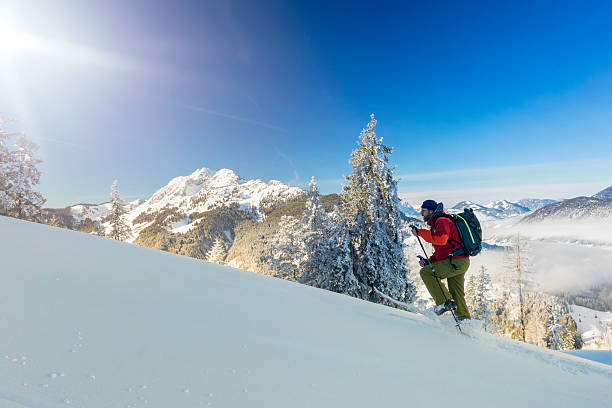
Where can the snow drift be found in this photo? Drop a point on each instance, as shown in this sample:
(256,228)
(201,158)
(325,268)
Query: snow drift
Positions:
(91,322)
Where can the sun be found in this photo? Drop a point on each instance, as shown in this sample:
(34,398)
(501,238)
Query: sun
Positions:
(13,40)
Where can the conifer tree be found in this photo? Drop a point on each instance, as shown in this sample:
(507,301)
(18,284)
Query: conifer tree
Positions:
(119,229)
(4,165)
(313,231)
(315,249)
(477,295)
(371,206)
(326,261)
(333,260)
(286,251)
(218,252)
(18,175)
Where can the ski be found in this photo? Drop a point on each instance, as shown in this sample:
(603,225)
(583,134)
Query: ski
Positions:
(406,306)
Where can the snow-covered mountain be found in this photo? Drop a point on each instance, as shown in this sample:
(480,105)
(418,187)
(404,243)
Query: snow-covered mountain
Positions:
(80,212)
(499,209)
(468,204)
(579,207)
(92,322)
(595,325)
(507,208)
(205,190)
(605,194)
(178,204)
(409,209)
(534,203)
(502,209)
(597,206)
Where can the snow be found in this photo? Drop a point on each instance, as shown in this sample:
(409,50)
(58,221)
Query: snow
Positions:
(182,226)
(92,322)
(204,190)
(592,324)
(94,212)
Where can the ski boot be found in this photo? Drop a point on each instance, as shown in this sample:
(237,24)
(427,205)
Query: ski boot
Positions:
(446,307)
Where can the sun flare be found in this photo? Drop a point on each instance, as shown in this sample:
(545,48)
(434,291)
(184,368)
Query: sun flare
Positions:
(14,41)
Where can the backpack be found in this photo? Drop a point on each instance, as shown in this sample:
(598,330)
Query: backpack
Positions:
(469,230)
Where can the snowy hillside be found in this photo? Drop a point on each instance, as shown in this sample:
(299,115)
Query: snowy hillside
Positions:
(596,327)
(203,191)
(178,204)
(534,203)
(91,322)
(605,194)
(574,208)
(502,209)
(409,209)
(507,208)
(80,212)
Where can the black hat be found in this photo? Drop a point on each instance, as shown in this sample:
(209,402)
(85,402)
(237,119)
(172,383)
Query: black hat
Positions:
(429,204)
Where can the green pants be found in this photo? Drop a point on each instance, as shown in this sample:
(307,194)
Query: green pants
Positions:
(455,279)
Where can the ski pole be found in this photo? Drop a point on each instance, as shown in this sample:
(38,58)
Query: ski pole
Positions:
(433,270)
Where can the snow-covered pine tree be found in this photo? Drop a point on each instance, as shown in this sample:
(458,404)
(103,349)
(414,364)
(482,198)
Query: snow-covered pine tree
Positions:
(308,237)
(561,330)
(218,251)
(4,163)
(19,176)
(371,205)
(505,316)
(333,259)
(286,251)
(119,229)
(326,261)
(477,296)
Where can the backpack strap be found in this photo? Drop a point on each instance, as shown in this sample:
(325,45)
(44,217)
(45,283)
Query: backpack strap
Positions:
(458,244)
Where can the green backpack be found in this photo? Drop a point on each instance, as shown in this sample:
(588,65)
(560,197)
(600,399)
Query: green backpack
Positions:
(469,230)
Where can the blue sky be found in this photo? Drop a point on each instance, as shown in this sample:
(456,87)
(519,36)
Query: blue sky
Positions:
(480,101)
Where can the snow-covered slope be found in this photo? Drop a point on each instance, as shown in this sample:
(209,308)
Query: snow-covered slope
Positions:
(507,208)
(204,190)
(605,194)
(534,203)
(91,322)
(496,210)
(483,212)
(596,327)
(409,209)
(574,208)
(201,191)
(468,204)
(96,212)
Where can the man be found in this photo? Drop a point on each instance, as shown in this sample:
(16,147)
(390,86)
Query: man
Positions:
(446,240)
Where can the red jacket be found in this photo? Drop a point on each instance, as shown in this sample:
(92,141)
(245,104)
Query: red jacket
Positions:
(444,237)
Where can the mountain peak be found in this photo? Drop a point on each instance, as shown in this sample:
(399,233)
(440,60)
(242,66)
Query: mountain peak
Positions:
(605,194)
(467,204)
(201,173)
(224,177)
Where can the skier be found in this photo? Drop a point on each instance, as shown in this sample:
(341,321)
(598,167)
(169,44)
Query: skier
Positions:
(445,239)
